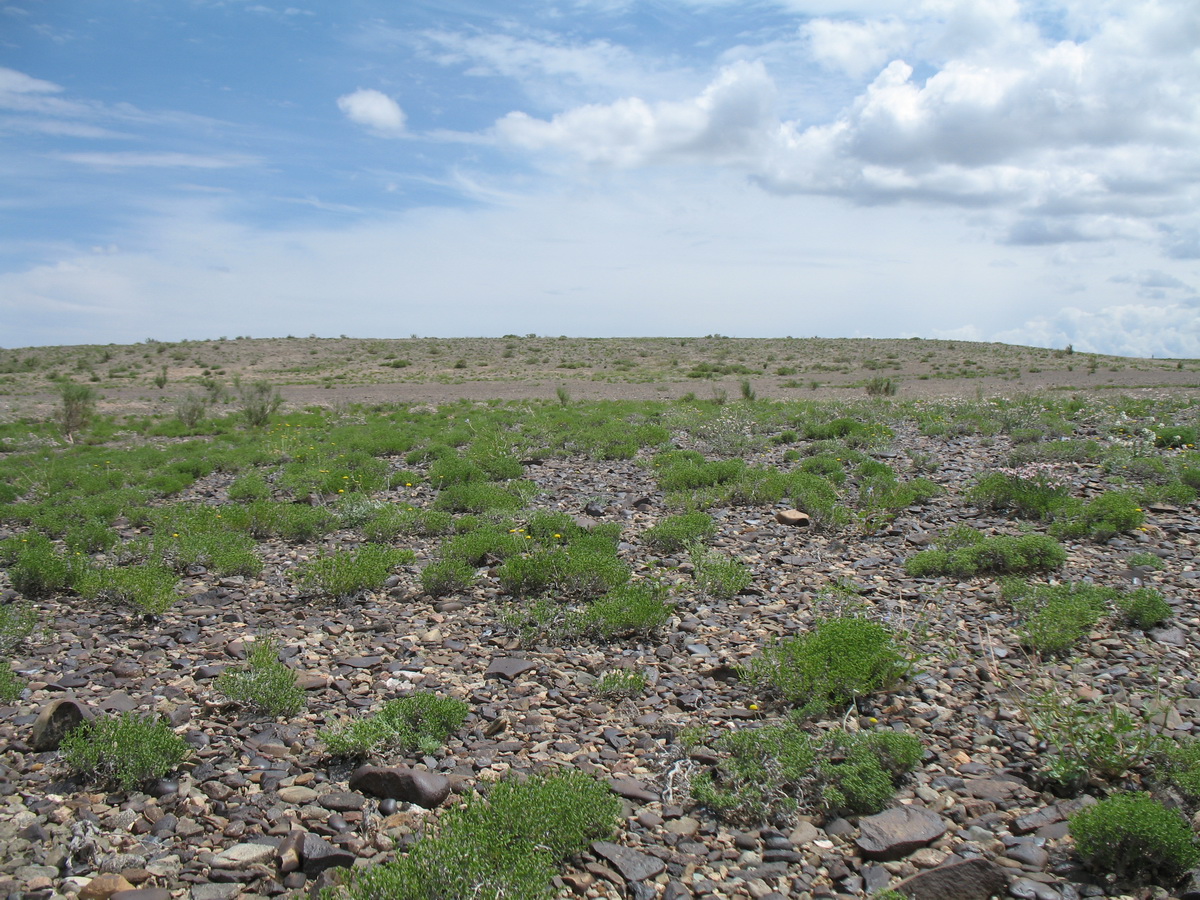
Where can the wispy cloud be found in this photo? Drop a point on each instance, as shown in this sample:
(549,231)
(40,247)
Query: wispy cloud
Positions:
(147,160)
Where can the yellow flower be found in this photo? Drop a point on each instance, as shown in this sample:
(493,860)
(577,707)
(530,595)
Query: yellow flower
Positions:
(754,706)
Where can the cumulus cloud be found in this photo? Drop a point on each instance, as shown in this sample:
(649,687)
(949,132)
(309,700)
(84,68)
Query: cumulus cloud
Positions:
(726,122)
(1170,330)
(374,110)
(855,48)
(1081,139)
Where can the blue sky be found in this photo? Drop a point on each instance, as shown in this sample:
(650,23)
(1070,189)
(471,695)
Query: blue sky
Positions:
(1016,170)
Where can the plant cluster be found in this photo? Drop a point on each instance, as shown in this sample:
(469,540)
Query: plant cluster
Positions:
(128,750)
(1087,741)
(1135,837)
(419,722)
(841,659)
(769,773)
(264,684)
(636,608)
(508,845)
(963,552)
(344,574)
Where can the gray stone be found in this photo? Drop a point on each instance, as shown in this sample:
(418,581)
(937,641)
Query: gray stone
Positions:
(632,865)
(895,833)
(342,801)
(142,894)
(215,891)
(426,789)
(968,879)
(241,855)
(508,668)
(318,855)
(290,851)
(632,789)
(54,721)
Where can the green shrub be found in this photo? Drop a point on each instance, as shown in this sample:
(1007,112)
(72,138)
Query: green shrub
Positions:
(11,685)
(1146,560)
(620,683)
(772,771)
(149,587)
(716,574)
(477,547)
(17,622)
(447,576)
(1087,740)
(348,573)
(420,722)
(507,846)
(841,659)
(632,609)
(1110,514)
(1144,608)
(257,402)
(1032,492)
(482,497)
(39,570)
(1133,836)
(1058,615)
(127,750)
(816,496)
(1178,765)
(292,522)
(1175,436)
(966,553)
(264,683)
(251,486)
(78,406)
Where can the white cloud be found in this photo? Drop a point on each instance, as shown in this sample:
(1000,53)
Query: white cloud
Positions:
(726,122)
(374,110)
(14,82)
(1170,330)
(855,48)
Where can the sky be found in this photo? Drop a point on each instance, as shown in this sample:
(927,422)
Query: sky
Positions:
(1025,171)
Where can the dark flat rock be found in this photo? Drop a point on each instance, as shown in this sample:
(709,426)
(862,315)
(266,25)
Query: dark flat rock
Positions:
(968,879)
(897,832)
(508,668)
(425,789)
(632,864)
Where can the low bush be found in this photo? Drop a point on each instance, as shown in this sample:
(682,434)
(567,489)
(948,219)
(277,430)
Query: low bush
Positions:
(1134,837)
(717,575)
(17,622)
(1087,740)
(841,659)
(1175,436)
(674,533)
(508,845)
(771,772)
(619,683)
(447,576)
(966,553)
(482,497)
(1110,514)
(420,722)
(264,683)
(348,573)
(128,750)
(1036,491)
(148,587)
(1144,608)
(11,685)
(1177,764)
(1056,616)
(639,608)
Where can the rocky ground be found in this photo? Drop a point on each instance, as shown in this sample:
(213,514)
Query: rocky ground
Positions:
(974,818)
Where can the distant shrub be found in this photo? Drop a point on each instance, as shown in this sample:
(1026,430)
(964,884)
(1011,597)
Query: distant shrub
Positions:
(347,573)
(966,553)
(1057,616)
(447,576)
(1144,608)
(149,587)
(1110,514)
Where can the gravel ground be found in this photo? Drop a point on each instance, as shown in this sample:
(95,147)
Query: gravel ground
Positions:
(976,801)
